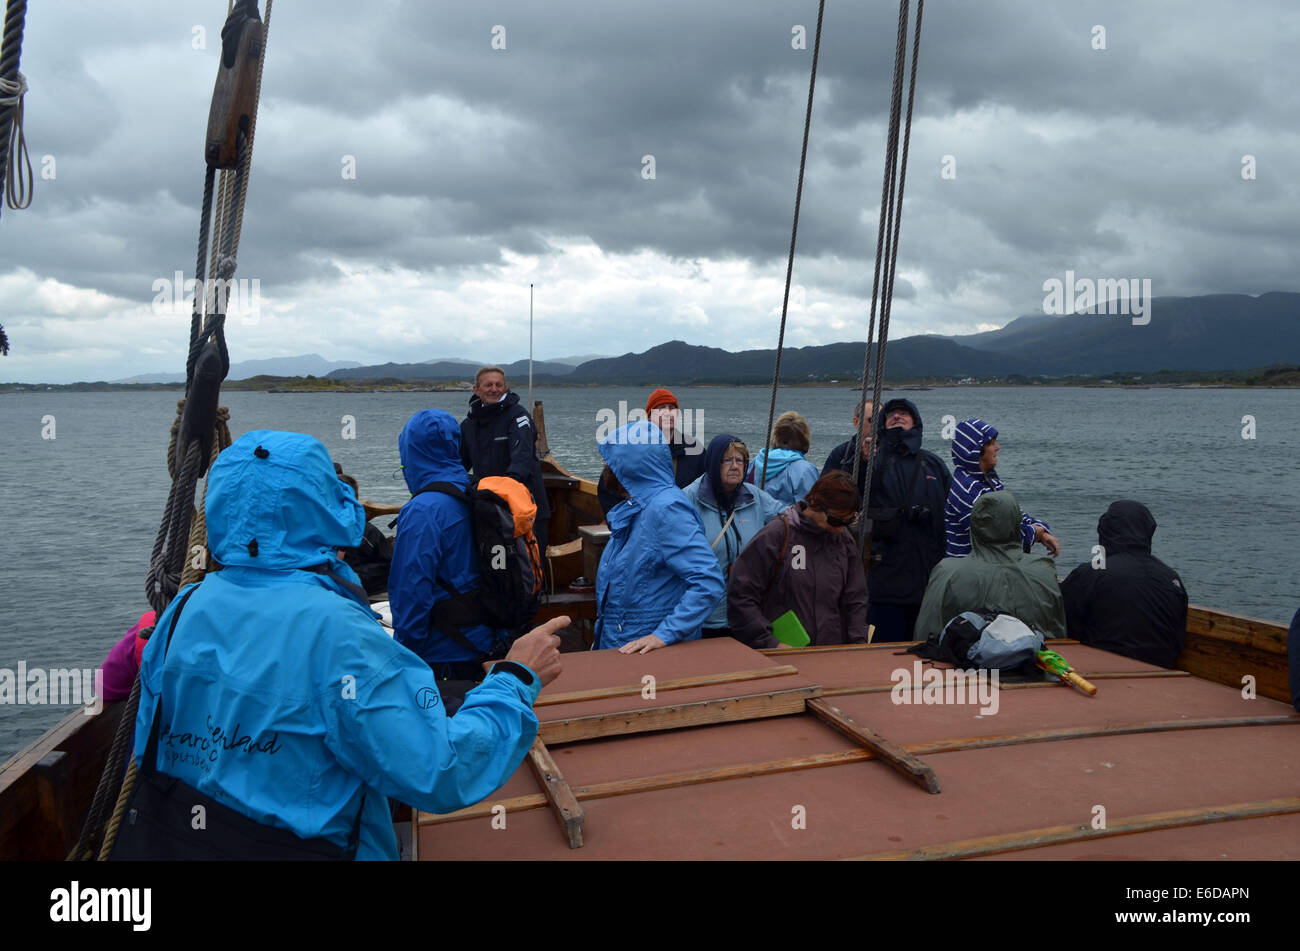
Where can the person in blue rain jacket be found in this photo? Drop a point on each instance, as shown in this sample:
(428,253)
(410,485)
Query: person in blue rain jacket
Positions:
(789,474)
(732,511)
(281,695)
(434,550)
(658,580)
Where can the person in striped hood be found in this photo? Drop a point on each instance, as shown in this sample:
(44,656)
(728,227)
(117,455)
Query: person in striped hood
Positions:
(974,458)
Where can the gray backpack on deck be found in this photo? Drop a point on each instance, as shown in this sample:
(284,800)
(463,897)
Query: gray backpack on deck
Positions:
(984,639)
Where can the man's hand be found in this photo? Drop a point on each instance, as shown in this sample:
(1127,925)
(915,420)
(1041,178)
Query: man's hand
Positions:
(1048,539)
(538,650)
(642,645)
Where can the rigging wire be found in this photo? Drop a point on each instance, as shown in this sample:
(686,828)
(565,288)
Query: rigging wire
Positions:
(794,234)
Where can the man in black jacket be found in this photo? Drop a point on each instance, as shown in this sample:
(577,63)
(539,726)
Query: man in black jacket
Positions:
(498,438)
(908,490)
(1126,600)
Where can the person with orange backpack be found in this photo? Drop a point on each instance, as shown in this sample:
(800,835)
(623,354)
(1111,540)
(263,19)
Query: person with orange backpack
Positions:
(466,572)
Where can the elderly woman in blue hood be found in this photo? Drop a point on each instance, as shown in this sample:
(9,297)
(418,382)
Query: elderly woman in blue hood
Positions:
(732,511)
(974,457)
(281,696)
(658,580)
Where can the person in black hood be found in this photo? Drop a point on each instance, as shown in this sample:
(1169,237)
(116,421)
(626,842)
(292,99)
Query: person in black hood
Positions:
(1126,600)
(908,490)
(498,438)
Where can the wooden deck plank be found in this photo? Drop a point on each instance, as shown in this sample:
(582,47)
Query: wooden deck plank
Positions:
(683,683)
(899,759)
(670,717)
(557,793)
(1058,835)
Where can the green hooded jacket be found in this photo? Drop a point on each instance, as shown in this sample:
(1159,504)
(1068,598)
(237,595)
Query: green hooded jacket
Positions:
(997,575)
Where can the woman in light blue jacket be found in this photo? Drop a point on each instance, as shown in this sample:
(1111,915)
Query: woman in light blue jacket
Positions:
(732,511)
(789,474)
(657,581)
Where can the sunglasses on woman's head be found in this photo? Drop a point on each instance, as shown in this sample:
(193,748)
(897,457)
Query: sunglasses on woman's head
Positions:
(839,522)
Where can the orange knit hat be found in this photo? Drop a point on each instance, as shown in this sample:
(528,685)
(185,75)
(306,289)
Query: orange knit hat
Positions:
(660,397)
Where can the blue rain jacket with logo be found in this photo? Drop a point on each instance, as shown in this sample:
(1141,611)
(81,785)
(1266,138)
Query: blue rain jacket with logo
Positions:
(789,474)
(282,696)
(969,482)
(753,509)
(434,546)
(657,574)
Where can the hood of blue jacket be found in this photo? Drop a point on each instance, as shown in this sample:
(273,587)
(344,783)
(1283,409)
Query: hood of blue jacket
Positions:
(778,460)
(290,502)
(1126,526)
(640,458)
(430,447)
(968,442)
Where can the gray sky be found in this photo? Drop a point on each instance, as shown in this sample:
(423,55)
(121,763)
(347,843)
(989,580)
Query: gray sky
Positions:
(478,170)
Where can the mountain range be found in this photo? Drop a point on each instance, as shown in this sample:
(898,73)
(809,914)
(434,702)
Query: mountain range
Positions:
(1214,332)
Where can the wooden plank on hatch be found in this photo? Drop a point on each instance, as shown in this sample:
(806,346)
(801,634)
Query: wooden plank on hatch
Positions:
(897,757)
(557,792)
(698,713)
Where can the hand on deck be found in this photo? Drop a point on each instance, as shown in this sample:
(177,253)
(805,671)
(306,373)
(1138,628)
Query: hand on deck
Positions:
(642,645)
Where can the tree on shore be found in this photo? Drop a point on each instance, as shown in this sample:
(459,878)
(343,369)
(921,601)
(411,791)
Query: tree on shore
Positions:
(4,342)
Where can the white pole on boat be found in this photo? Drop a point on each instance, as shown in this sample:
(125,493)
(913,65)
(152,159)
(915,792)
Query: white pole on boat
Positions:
(530,348)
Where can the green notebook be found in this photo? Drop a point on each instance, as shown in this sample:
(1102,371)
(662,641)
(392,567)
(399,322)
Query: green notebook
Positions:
(788,630)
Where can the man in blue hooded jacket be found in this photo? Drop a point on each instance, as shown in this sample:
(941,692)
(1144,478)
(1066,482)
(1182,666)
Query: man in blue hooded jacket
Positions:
(281,696)
(434,556)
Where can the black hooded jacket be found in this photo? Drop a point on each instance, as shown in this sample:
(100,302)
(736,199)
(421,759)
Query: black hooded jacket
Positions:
(905,552)
(1136,605)
(501,440)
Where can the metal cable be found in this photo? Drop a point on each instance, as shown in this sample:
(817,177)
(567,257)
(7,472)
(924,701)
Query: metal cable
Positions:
(794,233)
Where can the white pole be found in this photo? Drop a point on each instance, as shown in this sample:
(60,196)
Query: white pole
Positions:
(530,348)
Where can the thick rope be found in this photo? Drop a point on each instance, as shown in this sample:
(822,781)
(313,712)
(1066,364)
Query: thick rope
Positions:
(110,780)
(192,573)
(183,526)
(11,48)
(794,234)
(894,171)
(886,217)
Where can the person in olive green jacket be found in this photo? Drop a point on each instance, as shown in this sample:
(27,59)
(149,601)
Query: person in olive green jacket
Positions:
(998,575)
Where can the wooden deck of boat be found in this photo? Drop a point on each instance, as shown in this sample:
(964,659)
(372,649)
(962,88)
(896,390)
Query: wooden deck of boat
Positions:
(737,745)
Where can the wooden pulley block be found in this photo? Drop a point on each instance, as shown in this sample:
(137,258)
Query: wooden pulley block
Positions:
(234,98)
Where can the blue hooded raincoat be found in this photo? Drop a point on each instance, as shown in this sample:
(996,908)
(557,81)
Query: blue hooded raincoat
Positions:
(434,546)
(969,483)
(657,574)
(282,696)
(789,474)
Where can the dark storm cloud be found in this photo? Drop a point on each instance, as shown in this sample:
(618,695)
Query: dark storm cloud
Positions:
(1126,158)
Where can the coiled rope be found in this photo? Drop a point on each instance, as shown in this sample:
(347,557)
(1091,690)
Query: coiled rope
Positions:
(794,234)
